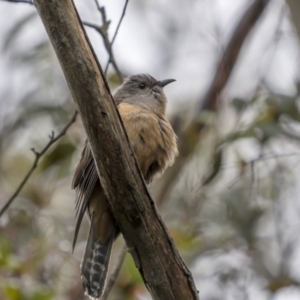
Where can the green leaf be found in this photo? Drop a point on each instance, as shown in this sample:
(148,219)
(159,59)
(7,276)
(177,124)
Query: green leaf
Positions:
(285,105)
(217,161)
(4,252)
(249,133)
(61,152)
(13,292)
(239,104)
(43,294)
(184,240)
(132,271)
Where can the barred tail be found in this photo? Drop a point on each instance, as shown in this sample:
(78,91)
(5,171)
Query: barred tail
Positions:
(95,264)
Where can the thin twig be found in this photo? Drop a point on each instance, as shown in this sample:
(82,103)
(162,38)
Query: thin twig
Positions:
(38,155)
(98,5)
(120,21)
(253,162)
(116,32)
(103,30)
(92,25)
(115,272)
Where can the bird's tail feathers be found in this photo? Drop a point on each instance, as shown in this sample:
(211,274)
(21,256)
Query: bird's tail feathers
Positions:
(95,264)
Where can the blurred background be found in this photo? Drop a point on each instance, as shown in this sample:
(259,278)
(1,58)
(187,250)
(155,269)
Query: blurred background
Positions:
(234,210)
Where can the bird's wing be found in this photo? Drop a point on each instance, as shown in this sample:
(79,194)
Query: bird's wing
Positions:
(84,182)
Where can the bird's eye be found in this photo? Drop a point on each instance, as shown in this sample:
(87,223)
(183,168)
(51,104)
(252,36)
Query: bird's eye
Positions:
(142,86)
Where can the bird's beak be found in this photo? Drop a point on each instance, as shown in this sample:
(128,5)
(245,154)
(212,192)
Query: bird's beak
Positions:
(163,83)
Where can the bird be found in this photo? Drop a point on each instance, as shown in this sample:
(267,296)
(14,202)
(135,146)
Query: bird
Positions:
(141,103)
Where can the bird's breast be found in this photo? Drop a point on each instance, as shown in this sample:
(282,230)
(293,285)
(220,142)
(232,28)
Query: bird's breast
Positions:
(152,138)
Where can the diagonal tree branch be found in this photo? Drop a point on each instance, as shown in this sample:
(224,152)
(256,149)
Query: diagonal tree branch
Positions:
(153,250)
(122,254)
(38,155)
(188,138)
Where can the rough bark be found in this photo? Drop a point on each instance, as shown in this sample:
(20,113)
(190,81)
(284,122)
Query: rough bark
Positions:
(149,242)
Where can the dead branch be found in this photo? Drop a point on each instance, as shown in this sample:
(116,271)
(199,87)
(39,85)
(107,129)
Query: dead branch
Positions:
(150,244)
(38,155)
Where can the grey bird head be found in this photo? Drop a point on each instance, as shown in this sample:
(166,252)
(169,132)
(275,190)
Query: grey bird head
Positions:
(145,91)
